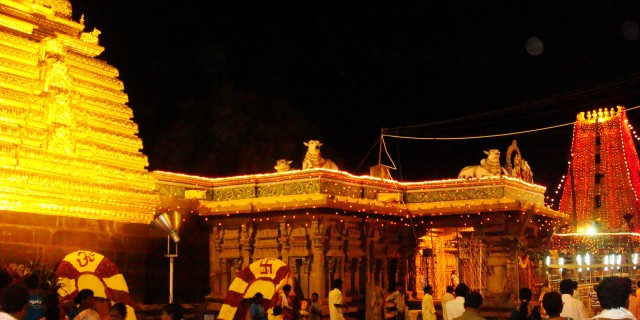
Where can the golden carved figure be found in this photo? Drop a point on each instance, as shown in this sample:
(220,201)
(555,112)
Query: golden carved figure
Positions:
(91,37)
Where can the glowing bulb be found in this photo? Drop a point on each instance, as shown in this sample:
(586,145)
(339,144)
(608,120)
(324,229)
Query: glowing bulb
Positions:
(591,230)
(606,260)
(561,261)
(548,260)
(587,259)
(635,258)
(619,260)
(579,259)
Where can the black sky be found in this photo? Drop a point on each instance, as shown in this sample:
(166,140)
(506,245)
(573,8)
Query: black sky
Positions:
(341,71)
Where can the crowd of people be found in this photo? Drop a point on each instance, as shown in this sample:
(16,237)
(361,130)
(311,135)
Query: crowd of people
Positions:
(617,301)
(24,301)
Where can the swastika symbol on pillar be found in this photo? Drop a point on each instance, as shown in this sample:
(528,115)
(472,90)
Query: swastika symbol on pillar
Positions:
(266,266)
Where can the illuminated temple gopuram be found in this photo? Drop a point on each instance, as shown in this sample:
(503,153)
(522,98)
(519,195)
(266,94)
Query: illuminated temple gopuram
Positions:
(74,178)
(600,195)
(72,173)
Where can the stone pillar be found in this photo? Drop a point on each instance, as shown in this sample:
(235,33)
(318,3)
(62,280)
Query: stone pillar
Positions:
(215,274)
(348,277)
(224,276)
(298,253)
(354,253)
(498,276)
(246,243)
(305,281)
(317,281)
(284,242)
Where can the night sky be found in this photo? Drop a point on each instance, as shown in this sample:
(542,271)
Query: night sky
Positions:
(220,88)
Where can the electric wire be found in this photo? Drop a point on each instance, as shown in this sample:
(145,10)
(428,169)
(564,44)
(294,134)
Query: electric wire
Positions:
(553,99)
(490,135)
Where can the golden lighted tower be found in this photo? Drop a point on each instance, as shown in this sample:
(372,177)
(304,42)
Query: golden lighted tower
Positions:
(68,144)
(602,185)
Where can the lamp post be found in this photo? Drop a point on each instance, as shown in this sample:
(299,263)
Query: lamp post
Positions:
(169,224)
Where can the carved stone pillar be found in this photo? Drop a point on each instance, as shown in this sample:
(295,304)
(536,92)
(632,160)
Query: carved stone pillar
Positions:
(284,242)
(299,255)
(354,254)
(265,243)
(230,256)
(498,276)
(224,276)
(379,250)
(317,282)
(348,277)
(336,255)
(246,243)
(215,247)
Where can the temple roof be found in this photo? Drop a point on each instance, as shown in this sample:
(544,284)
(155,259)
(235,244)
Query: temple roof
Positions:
(337,190)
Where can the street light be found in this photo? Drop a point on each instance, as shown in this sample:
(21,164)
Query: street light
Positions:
(169,223)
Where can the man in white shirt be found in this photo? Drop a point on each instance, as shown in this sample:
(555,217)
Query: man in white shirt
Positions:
(572,307)
(576,292)
(448,296)
(335,301)
(428,310)
(14,303)
(633,304)
(455,308)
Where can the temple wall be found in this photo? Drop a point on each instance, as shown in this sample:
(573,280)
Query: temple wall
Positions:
(28,237)
(317,251)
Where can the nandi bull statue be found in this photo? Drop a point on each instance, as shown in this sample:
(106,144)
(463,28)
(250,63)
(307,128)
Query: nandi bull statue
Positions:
(283,165)
(489,167)
(313,158)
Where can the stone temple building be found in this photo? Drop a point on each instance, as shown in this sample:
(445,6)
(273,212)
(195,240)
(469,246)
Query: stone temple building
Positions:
(330,224)
(73,178)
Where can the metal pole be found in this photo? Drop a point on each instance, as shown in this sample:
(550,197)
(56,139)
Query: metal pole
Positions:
(171,256)
(170,279)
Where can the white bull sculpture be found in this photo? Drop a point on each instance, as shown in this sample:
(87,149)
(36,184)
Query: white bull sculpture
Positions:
(488,167)
(313,158)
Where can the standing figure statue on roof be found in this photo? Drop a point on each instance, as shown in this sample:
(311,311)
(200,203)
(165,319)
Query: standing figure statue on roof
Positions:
(520,168)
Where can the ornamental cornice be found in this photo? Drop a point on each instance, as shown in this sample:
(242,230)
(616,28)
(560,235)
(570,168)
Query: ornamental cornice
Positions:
(19,43)
(16,24)
(96,78)
(28,86)
(122,126)
(91,64)
(17,55)
(123,142)
(96,90)
(455,194)
(289,188)
(80,46)
(20,99)
(19,69)
(41,16)
(318,188)
(103,106)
